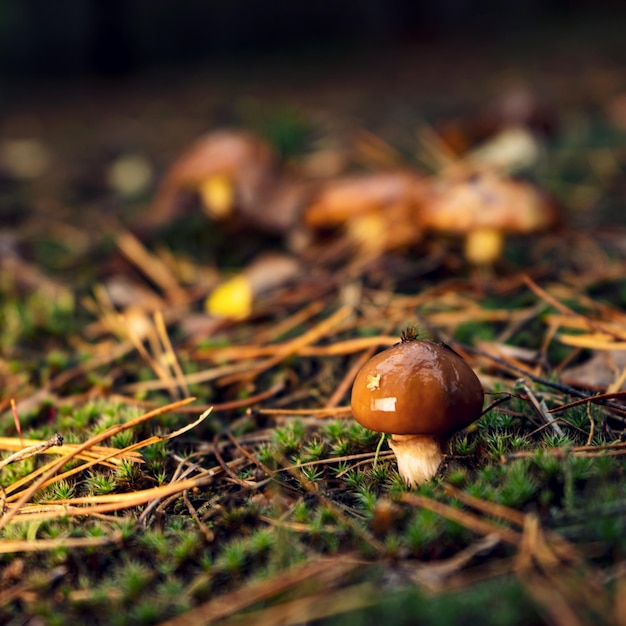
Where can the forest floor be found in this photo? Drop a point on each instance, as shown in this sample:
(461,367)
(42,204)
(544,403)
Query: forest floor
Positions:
(166,464)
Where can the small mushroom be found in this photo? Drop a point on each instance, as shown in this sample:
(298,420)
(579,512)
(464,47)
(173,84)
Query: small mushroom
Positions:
(235,173)
(377,210)
(516,106)
(421,393)
(484,206)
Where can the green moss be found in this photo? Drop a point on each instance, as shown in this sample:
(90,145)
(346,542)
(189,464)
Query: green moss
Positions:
(499,603)
(519,486)
(289,438)
(423,532)
(100,483)
(472,332)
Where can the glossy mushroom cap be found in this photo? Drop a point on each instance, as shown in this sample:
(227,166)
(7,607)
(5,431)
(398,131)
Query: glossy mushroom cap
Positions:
(417,388)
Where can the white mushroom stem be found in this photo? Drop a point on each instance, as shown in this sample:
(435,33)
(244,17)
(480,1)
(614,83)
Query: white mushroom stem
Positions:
(418,457)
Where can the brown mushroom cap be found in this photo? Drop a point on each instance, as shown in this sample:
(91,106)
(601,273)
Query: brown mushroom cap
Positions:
(345,198)
(245,174)
(232,153)
(417,388)
(484,199)
(376,210)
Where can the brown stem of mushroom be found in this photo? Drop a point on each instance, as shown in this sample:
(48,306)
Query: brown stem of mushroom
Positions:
(418,457)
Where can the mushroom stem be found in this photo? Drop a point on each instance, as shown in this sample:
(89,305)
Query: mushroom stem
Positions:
(484,246)
(418,457)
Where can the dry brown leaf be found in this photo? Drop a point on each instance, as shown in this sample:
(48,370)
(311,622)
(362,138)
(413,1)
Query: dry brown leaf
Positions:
(602,370)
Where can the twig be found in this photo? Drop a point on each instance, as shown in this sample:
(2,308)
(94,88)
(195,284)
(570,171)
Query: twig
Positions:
(196,377)
(469,520)
(246,484)
(559,306)
(345,384)
(266,470)
(170,353)
(364,456)
(612,449)
(337,348)
(341,411)
(41,545)
(16,420)
(151,265)
(207,533)
(313,488)
(56,466)
(566,389)
(501,400)
(573,590)
(163,374)
(485,506)
(56,440)
(592,425)
(246,595)
(331,602)
(291,347)
(565,549)
(589,399)
(540,407)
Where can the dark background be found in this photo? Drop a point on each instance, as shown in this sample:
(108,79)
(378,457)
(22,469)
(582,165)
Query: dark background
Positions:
(116,37)
(92,80)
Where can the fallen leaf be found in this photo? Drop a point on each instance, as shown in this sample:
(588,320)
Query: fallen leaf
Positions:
(598,372)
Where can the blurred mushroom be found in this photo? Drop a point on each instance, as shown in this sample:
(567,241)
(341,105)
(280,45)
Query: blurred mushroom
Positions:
(235,174)
(517,106)
(377,211)
(25,159)
(511,150)
(483,206)
(129,175)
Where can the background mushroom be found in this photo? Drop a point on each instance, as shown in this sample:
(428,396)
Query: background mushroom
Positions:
(235,173)
(421,393)
(377,211)
(483,206)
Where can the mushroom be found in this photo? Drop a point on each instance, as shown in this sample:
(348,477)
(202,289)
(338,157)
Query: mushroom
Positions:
(516,107)
(484,205)
(421,393)
(377,210)
(235,173)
